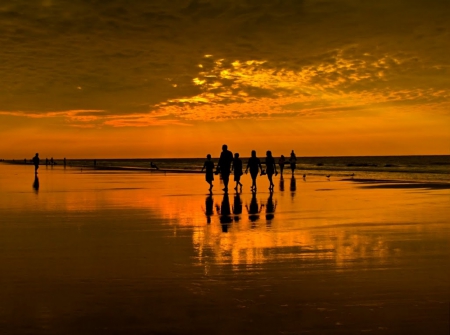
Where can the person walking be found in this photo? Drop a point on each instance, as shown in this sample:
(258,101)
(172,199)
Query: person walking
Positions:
(271,168)
(237,169)
(224,165)
(36,162)
(209,166)
(254,164)
(293,161)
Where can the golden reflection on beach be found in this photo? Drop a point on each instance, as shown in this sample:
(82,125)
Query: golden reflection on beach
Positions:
(331,222)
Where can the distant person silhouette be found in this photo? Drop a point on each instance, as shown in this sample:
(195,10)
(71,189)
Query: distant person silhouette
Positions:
(65,162)
(209,207)
(254,164)
(46,161)
(52,162)
(281,163)
(153,165)
(237,169)
(36,183)
(36,162)
(209,167)
(271,168)
(224,165)
(293,161)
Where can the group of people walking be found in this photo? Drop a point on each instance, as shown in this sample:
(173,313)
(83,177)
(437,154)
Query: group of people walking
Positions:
(233,164)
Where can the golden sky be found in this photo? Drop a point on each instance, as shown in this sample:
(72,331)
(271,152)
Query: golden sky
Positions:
(161,78)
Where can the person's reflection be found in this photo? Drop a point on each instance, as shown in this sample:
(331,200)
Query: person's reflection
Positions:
(293,186)
(237,207)
(225,213)
(270,208)
(281,183)
(253,209)
(36,184)
(209,205)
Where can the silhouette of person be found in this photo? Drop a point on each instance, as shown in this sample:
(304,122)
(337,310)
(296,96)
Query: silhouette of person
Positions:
(254,164)
(224,165)
(237,169)
(209,166)
(270,207)
(293,161)
(65,161)
(271,168)
(281,163)
(225,213)
(52,162)
(46,161)
(36,183)
(237,206)
(36,162)
(254,209)
(209,205)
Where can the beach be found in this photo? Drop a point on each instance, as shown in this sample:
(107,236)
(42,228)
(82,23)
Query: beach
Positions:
(91,251)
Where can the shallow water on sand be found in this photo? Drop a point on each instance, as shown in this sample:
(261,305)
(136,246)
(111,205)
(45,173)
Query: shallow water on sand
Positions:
(91,252)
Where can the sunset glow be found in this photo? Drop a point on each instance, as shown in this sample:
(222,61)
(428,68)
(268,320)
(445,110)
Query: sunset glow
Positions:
(179,79)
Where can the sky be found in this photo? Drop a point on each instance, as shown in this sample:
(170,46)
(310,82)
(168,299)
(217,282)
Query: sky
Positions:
(179,78)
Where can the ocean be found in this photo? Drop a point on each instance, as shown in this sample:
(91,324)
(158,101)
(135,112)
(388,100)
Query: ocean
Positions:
(405,168)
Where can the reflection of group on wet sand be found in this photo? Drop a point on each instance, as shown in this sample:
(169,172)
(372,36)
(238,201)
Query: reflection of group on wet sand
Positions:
(228,163)
(227,213)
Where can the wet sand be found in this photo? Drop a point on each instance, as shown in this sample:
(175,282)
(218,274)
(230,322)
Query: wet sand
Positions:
(116,252)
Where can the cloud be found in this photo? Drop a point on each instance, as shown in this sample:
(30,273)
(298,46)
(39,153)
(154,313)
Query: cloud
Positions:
(143,63)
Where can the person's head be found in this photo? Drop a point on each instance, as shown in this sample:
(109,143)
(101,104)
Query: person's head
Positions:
(37,154)
(269,153)
(224,147)
(208,156)
(236,155)
(253,153)
(282,156)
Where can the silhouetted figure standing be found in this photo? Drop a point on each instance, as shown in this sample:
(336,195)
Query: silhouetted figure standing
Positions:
(254,164)
(36,162)
(237,169)
(65,162)
(293,161)
(209,167)
(46,161)
(271,168)
(224,165)
(281,163)
(52,162)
